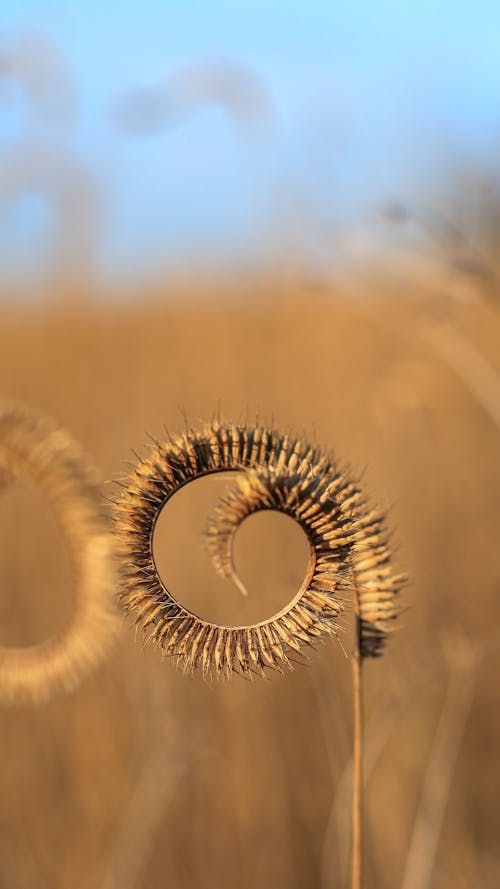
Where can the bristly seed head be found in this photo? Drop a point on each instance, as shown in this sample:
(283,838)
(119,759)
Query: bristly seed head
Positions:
(349,551)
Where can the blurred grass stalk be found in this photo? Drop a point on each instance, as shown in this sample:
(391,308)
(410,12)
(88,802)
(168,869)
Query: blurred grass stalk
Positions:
(459,696)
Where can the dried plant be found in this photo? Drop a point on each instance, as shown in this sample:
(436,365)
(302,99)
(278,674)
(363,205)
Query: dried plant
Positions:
(33,446)
(347,540)
(349,554)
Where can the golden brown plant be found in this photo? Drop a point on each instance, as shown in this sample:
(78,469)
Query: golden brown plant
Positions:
(349,553)
(280,473)
(33,446)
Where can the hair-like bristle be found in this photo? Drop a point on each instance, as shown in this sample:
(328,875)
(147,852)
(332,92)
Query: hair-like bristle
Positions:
(33,446)
(280,473)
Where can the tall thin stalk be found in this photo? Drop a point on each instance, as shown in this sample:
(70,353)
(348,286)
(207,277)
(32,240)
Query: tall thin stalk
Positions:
(357,773)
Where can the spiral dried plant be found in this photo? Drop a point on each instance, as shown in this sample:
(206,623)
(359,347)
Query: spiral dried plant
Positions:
(33,446)
(348,547)
(349,556)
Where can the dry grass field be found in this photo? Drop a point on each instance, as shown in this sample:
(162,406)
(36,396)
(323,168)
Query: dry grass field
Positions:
(144,779)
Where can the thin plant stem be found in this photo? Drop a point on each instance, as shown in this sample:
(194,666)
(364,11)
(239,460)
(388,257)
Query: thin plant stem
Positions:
(357,773)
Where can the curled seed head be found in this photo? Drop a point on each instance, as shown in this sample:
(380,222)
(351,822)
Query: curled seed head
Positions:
(33,446)
(276,472)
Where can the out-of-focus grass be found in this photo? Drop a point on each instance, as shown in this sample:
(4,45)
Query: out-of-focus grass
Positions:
(144,778)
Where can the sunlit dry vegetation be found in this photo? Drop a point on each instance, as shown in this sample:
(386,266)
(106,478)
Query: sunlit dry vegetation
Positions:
(146,778)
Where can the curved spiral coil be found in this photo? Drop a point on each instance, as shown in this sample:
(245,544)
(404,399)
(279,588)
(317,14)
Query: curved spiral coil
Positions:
(349,552)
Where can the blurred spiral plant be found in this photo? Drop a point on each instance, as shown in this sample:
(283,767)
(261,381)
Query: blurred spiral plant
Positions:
(150,110)
(71,191)
(37,65)
(32,446)
(37,79)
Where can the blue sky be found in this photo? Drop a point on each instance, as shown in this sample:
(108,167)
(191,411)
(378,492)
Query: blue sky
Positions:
(371,101)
